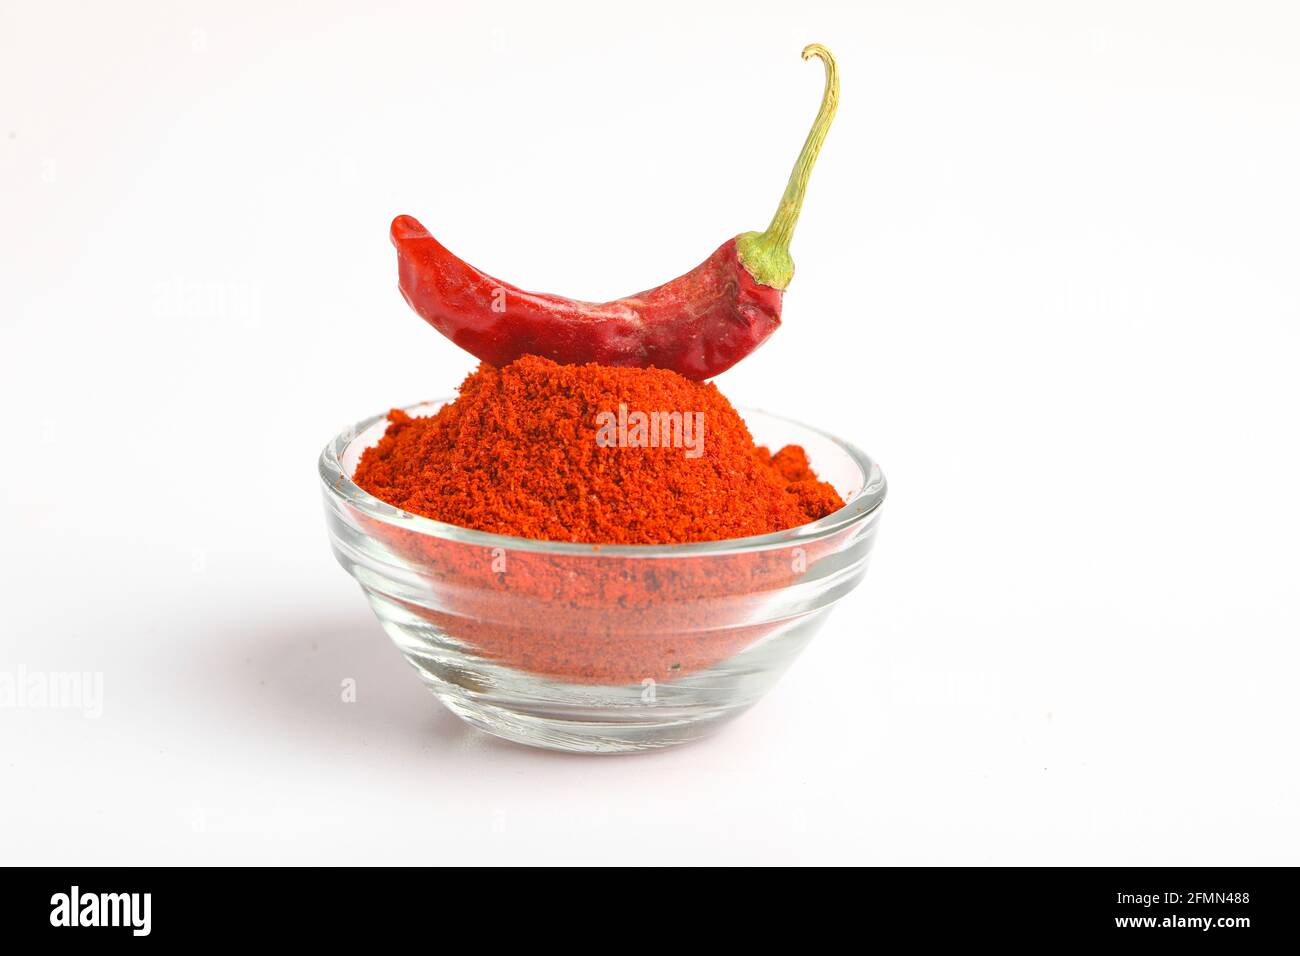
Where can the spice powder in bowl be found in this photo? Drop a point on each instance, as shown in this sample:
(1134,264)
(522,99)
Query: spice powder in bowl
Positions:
(592,454)
(598,455)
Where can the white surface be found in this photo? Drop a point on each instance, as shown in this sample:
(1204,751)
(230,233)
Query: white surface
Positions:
(1047,276)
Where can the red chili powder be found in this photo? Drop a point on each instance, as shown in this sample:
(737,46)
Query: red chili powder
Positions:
(518,453)
(558,453)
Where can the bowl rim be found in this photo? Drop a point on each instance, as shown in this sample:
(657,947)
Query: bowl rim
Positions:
(341,489)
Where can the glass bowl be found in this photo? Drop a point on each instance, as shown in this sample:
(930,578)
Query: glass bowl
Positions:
(601,648)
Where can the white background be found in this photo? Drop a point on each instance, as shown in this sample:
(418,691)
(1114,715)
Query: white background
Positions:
(1046,275)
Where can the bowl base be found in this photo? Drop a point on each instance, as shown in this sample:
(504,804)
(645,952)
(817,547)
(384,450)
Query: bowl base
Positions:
(542,711)
(583,736)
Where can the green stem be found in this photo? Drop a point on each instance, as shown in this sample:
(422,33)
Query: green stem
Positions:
(767,254)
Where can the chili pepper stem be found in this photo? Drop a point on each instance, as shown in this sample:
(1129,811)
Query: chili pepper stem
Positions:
(767,254)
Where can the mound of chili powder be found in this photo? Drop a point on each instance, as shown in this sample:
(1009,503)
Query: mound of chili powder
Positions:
(530,450)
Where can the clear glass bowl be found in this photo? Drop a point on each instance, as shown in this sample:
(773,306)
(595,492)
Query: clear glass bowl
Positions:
(601,648)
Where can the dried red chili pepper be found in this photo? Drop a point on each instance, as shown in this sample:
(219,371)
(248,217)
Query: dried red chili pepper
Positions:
(698,325)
